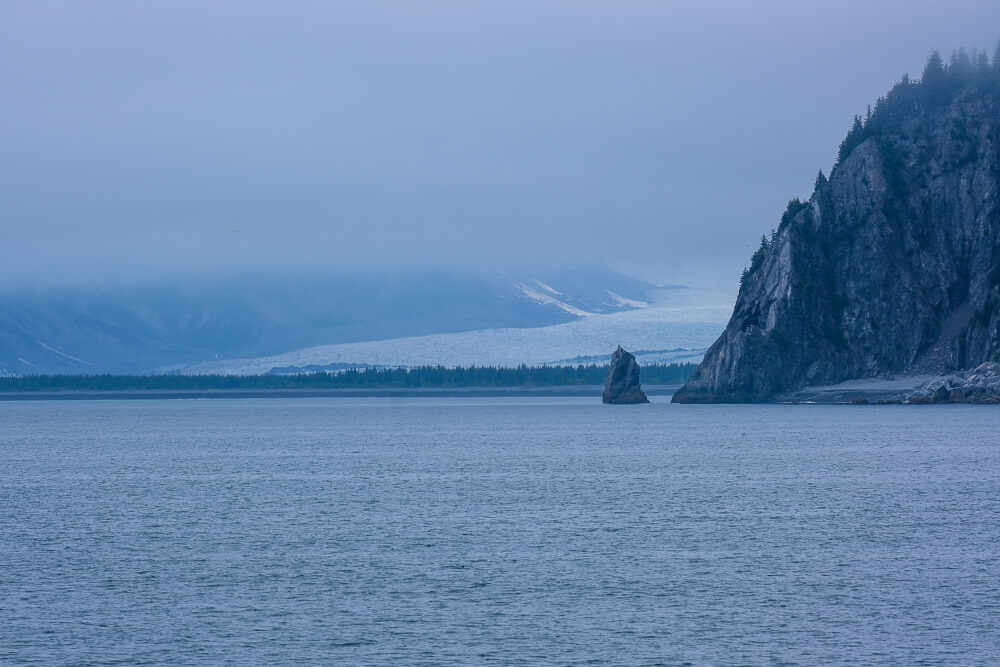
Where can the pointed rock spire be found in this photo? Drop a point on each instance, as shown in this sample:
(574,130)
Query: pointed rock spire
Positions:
(622,385)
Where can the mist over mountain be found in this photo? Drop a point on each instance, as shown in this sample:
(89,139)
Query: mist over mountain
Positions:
(177,139)
(136,329)
(165,164)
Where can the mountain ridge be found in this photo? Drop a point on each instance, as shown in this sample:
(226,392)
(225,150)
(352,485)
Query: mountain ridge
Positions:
(892,266)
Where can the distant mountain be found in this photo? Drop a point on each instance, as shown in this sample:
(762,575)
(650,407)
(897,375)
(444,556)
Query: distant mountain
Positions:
(892,267)
(136,329)
(677,326)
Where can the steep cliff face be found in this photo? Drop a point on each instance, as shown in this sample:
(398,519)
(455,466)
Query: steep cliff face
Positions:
(622,384)
(891,267)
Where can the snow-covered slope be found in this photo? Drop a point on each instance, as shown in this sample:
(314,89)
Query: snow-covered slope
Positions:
(142,328)
(678,325)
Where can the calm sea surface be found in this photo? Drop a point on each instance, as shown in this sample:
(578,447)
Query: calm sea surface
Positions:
(497,531)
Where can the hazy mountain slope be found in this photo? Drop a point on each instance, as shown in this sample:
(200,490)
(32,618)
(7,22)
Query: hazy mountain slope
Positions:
(891,267)
(137,329)
(677,326)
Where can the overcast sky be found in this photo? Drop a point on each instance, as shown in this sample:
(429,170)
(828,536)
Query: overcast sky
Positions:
(153,138)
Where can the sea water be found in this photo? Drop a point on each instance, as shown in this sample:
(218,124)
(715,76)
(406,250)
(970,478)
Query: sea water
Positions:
(497,531)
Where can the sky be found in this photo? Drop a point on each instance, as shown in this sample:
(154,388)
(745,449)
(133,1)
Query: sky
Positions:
(151,140)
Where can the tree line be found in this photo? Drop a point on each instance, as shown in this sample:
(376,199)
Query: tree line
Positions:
(366,378)
(938,85)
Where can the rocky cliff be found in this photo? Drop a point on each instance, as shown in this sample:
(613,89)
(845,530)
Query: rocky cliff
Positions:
(622,384)
(891,267)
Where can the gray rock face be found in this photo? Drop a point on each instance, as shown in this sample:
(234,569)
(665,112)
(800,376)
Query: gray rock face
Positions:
(891,267)
(622,385)
(979,385)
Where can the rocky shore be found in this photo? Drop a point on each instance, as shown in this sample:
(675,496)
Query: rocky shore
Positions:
(979,385)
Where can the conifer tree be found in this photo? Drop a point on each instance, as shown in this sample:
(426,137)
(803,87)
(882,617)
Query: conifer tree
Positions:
(934,74)
(982,64)
(960,67)
(820,181)
(853,139)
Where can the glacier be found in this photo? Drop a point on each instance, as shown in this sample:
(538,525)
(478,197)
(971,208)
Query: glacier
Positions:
(677,325)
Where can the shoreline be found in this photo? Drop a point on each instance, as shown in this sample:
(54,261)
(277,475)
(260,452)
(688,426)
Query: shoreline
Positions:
(872,390)
(401,392)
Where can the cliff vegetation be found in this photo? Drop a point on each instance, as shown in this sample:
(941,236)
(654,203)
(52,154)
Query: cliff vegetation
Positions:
(892,265)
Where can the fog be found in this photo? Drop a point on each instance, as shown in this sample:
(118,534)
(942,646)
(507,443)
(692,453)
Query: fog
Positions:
(154,140)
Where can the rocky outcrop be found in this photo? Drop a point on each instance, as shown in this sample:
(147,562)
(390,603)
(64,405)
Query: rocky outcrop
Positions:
(891,267)
(979,385)
(622,385)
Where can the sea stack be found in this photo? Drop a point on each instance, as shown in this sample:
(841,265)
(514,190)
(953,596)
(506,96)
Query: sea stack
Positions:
(622,386)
